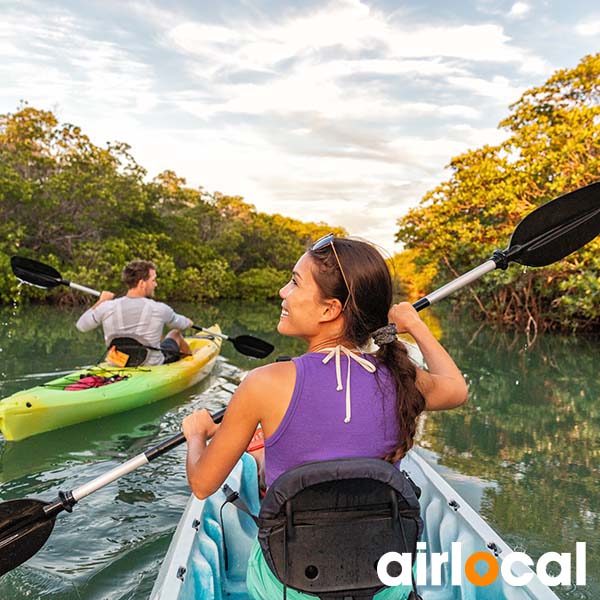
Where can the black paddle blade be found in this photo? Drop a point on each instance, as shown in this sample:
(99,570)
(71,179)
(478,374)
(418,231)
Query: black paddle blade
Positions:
(24,528)
(34,272)
(557,228)
(251,346)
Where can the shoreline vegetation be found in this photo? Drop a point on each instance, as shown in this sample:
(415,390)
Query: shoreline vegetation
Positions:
(552,148)
(87,210)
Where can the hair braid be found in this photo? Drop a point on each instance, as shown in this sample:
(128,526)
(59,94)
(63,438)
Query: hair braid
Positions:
(409,400)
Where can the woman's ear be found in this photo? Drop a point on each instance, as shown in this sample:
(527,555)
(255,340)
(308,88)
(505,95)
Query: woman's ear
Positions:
(332,309)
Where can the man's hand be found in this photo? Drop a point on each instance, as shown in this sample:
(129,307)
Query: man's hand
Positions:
(104,296)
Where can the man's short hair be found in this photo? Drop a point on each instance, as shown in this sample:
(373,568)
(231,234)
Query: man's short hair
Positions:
(135,271)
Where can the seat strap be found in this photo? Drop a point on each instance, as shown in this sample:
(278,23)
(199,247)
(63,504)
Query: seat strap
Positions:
(414,595)
(232,497)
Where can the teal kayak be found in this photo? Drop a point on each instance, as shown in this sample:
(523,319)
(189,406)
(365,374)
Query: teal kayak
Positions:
(193,568)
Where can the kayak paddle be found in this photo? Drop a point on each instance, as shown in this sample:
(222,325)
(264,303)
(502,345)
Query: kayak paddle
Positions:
(26,524)
(544,236)
(44,276)
(245,344)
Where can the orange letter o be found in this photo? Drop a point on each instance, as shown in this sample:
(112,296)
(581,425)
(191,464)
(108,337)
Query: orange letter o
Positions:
(473,576)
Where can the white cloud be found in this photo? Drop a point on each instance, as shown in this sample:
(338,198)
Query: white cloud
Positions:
(589,27)
(519,10)
(59,59)
(338,112)
(8,50)
(156,14)
(477,137)
(343,59)
(351,26)
(498,87)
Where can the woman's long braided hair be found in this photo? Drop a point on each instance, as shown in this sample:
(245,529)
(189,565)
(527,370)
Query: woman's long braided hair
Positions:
(367,309)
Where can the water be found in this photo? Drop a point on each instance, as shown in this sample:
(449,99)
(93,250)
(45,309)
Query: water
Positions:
(525,451)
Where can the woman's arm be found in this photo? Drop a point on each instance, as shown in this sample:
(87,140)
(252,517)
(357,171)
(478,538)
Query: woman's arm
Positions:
(209,465)
(443,386)
(259,398)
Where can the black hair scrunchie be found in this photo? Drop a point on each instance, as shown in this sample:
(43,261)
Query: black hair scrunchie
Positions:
(385,335)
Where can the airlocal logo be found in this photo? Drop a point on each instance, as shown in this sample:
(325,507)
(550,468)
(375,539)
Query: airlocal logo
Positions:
(512,568)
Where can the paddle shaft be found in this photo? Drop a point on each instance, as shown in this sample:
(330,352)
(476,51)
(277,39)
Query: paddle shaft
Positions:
(246,344)
(67,500)
(44,276)
(215,333)
(546,235)
(81,288)
(456,284)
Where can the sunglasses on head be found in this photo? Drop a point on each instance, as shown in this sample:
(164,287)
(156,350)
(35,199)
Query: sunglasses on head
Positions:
(321,243)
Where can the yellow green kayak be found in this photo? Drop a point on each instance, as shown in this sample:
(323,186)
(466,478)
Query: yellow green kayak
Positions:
(51,406)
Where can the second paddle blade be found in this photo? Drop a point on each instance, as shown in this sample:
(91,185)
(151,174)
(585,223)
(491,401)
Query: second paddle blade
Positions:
(251,346)
(24,528)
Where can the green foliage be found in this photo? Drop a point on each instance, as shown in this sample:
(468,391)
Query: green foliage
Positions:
(209,281)
(8,283)
(412,279)
(553,148)
(261,283)
(87,210)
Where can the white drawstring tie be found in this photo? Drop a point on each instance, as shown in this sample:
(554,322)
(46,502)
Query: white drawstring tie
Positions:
(363,362)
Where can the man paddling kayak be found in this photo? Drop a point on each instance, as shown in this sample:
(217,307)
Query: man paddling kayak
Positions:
(136,315)
(335,401)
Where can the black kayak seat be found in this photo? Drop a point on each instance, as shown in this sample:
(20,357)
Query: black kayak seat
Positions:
(136,351)
(324,525)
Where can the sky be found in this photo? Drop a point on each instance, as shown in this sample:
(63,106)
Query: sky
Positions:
(343,111)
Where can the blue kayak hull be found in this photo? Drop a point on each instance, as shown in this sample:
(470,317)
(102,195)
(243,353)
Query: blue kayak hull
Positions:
(193,568)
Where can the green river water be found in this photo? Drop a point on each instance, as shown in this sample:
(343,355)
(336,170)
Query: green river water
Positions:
(525,451)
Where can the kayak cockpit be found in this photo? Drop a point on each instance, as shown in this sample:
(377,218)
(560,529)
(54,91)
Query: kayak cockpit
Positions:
(194,566)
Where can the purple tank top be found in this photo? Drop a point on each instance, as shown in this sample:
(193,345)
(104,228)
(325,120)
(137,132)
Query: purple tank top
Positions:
(313,427)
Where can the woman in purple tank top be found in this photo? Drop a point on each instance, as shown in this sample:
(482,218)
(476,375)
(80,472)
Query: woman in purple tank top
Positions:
(335,401)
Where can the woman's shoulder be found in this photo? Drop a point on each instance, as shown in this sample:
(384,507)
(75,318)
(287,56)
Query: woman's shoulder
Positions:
(270,376)
(267,387)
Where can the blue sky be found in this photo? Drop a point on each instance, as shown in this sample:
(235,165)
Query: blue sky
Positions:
(344,111)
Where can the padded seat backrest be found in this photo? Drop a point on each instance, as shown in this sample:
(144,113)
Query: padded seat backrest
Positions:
(324,525)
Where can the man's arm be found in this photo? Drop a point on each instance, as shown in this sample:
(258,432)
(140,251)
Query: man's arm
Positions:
(88,320)
(176,321)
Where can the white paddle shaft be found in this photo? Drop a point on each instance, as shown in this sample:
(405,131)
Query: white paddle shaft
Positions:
(82,288)
(221,335)
(459,282)
(109,477)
